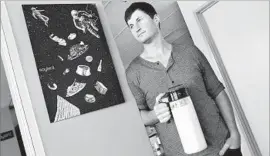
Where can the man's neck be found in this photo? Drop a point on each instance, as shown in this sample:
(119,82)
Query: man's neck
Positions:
(156,49)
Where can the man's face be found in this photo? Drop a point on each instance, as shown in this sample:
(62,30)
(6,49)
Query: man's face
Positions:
(142,26)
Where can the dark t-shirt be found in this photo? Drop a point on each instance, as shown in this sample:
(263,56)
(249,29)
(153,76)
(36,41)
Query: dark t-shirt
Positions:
(189,67)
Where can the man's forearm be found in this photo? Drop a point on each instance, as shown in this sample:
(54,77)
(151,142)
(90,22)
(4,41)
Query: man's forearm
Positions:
(148,117)
(226,110)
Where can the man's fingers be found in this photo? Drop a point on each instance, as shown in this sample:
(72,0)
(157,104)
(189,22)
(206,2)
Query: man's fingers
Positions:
(161,105)
(159,97)
(161,110)
(164,115)
(224,149)
(165,119)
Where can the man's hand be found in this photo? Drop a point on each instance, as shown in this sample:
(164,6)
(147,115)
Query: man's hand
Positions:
(161,110)
(233,142)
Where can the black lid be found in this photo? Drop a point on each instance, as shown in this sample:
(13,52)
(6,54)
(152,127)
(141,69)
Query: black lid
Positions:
(177,92)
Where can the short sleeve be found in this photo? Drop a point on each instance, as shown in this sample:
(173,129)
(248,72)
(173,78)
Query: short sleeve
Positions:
(138,94)
(212,84)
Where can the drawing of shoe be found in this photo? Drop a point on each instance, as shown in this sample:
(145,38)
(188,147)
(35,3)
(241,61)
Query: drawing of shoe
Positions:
(75,88)
(60,41)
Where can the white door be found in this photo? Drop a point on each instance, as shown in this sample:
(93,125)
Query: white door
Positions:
(234,36)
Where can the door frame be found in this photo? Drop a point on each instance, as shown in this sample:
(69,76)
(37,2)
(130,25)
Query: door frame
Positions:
(198,13)
(18,88)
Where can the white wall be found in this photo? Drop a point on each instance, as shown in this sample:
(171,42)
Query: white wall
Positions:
(241,33)
(115,131)
(240,30)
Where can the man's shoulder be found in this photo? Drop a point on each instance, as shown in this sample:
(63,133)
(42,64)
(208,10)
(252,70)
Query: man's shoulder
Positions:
(190,52)
(182,47)
(134,66)
(183,50)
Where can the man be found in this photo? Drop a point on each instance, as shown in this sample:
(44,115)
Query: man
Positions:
(161,66)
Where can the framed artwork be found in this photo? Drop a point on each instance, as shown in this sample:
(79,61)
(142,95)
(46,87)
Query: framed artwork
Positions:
(73,60)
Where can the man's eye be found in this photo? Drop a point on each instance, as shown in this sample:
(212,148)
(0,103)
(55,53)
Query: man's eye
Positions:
(131,26)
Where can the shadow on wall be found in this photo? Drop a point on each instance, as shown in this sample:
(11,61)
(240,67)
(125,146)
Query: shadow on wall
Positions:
(173,27)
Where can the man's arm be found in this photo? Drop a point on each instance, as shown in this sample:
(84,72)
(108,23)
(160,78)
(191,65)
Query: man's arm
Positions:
(225,107)
(160,113)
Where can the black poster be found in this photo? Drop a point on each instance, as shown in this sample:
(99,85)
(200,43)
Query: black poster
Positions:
(73,59)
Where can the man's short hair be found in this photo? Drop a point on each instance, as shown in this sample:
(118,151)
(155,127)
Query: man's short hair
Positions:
(143,6)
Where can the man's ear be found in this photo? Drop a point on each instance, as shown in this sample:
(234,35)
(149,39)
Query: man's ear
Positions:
(156,19)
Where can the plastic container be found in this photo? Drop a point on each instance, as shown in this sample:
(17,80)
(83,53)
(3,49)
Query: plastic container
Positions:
(186,120)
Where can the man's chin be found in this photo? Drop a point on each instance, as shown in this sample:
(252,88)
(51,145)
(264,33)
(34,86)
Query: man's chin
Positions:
(144,40)
(147,41)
